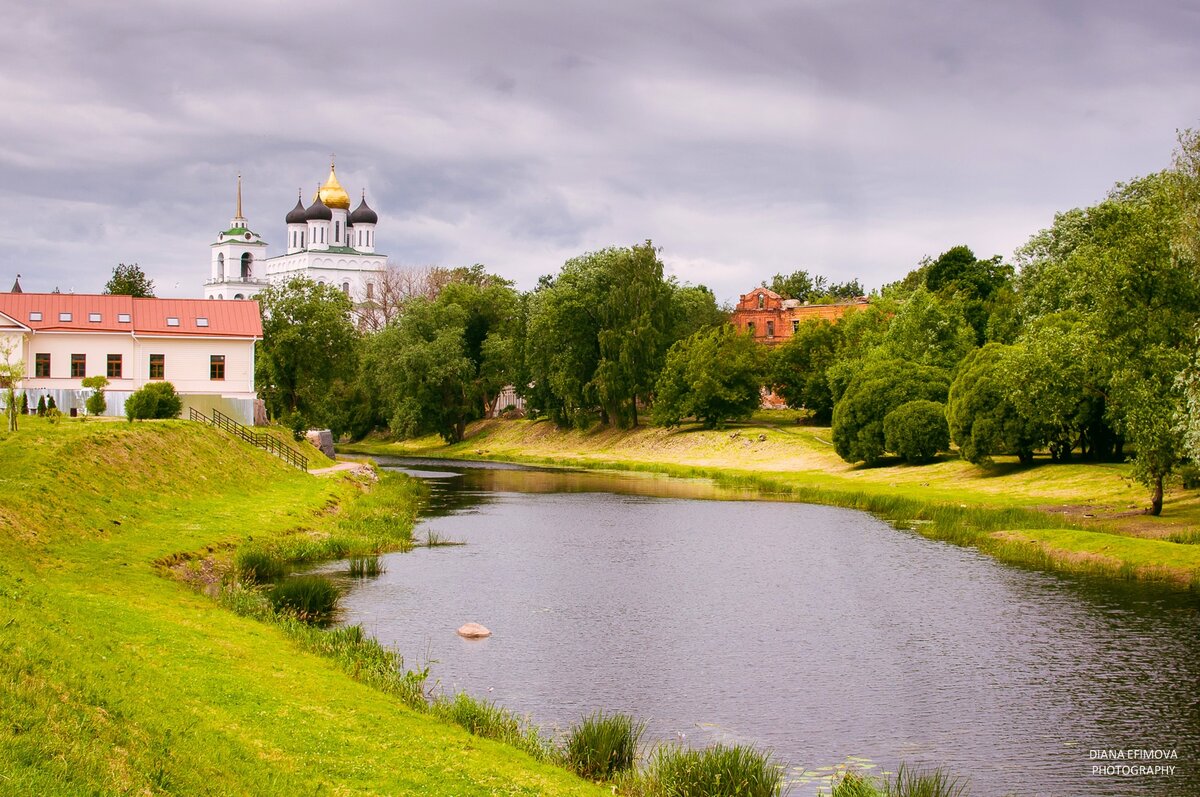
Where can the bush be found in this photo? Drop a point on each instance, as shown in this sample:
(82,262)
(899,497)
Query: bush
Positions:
(155,400)
(24,403)
(258,567)
(310,598)
(917,430)
(717,771)
(53,415)
(41,405)
(874,391)
(96,403)
(603,746)
(50,405)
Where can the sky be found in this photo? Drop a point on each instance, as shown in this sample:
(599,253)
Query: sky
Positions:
(850,139)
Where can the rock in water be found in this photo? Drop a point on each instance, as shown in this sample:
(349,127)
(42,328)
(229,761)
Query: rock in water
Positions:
(473,631)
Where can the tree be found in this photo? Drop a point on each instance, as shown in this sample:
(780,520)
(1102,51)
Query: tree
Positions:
(1148,401)
(693,308)
(129,280)
(12,372)
(41,406)
(24,402)
(155,400)
(928,330)
(714,376)
(422,372)
(879,388)
(96,403)
(917,431)
(308,346)
(798,368)
(983,420)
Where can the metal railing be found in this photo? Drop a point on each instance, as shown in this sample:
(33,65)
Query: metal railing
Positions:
(261,439)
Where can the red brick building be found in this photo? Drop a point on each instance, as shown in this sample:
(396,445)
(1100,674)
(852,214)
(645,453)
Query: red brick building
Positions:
(772,319)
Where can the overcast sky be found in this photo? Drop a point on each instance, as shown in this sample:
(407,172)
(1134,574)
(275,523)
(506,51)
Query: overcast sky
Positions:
(847,138)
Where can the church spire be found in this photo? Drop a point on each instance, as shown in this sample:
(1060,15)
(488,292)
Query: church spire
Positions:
(238,221)
(239,198)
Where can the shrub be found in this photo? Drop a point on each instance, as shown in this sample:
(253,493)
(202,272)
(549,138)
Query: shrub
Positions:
(873,392)
(41,405)
(309,598)
(50,405)
(602,746)
(717,771)
(53,415)
(917,430)
(155,400)
(258,567)
(24,403)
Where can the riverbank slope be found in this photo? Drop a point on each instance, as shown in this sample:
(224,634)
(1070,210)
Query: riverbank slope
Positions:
(1074,516)
(117,678)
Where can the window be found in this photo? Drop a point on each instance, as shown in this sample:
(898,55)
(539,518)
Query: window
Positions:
(64,316)
(762,300)
(795,325)
(94,318)
(78,366)
(35,315)
(370,290)
(201,322)
(770,329)
(750,328)
(158,366)
(247,262)
(346,288)
(122,318)
(337,231)
(172,321)
(216,366)
(41,366)
(238,296)
(220,267)
(114,366)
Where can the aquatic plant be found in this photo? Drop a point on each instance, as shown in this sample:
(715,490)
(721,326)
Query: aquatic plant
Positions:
(435,540)
(717,771)
(603,745)
(257,566)
(308,598)
(924,783)
(853,784)
(366,566)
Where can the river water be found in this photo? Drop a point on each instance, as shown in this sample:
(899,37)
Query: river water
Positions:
(822,634)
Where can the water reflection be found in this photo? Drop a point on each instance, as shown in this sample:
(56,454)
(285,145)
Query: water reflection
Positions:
(821,633)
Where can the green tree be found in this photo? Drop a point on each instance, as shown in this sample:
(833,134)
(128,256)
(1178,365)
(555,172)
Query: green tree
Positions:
(155,400)
(1148,400)
(928,330)
(12,372)
(693,308)
(798,368)
(96,404)
(880,387)
(309,347)
(714,376)
(983,420)
(917,431)
(41,406)
(129,280)
(422,371)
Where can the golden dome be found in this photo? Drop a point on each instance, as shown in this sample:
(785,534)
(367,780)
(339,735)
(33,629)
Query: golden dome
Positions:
(332,193)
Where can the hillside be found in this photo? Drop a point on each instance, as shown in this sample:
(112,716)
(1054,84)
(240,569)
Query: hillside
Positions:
(117,678)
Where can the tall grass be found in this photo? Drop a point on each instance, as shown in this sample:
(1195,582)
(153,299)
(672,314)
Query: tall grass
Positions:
(907,782)
(256,566)
(436,540)
(490,721)
(717,771)
(603,745)
(366,566)
(312,599)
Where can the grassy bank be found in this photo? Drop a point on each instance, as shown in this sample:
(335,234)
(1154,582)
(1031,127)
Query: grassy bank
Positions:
(117,678)
(1079,517)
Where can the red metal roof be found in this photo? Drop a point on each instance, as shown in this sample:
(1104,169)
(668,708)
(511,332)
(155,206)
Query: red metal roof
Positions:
(235,318)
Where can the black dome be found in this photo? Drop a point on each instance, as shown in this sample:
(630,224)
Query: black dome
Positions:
(296,215)
(318,211)
(363,214)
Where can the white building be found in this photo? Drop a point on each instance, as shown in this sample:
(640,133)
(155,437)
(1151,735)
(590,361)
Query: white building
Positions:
(205,349)
(326,242)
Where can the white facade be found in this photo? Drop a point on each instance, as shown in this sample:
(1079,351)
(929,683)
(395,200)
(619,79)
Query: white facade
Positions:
(326,243)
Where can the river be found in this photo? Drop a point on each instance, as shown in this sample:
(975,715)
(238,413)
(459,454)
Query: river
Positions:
(825,635)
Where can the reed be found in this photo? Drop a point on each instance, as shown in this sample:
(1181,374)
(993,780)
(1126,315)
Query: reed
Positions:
(717,771)
(256,566)
(603,746)
(311,599)
(366,566)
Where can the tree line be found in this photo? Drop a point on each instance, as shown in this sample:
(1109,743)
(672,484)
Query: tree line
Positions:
(1083,347)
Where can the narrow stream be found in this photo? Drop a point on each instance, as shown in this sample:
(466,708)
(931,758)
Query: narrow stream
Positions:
(823,634)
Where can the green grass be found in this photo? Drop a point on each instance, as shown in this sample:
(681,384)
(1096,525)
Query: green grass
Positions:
(1071,517)
(366,566)
(312,599)
(907,782)
(603,746)
(717,771)
(486,719)
(256,566)
(118,678)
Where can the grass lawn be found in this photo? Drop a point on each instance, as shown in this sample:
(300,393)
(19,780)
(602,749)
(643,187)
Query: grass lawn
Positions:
(118,679)
(1087,517)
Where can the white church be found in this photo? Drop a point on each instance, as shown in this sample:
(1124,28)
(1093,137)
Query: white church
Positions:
(326,242)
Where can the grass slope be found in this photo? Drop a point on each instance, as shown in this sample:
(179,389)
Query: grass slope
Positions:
(1078,516)
(116,680)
